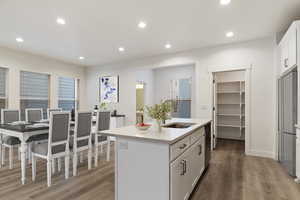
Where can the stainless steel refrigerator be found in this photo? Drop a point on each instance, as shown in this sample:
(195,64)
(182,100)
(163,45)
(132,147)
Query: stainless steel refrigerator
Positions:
(287,120)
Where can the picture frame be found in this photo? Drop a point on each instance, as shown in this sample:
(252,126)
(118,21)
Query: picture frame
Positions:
(109,89)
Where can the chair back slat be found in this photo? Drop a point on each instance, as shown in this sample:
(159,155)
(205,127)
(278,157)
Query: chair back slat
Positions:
(103,121)
(33,114)
(59,131)
(8,116)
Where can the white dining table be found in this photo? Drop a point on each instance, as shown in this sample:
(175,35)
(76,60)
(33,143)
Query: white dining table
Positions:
(23,133)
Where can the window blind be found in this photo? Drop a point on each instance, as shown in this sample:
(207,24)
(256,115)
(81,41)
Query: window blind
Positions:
(34,91)
(2,88)
(2,82)
(66,93)
(34,85)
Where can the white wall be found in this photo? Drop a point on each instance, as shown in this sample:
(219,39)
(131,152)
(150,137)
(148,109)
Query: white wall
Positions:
(258,54)
(16,61)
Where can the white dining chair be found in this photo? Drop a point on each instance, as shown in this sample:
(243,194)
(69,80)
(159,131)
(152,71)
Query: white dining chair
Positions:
(81,139)
(9,116)
(33,114)
(57,145)
(102,123)
(49,110)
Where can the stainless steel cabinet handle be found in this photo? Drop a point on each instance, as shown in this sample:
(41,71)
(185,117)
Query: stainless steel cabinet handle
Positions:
(200,149)
(286,62)
(182,167)
(182,146)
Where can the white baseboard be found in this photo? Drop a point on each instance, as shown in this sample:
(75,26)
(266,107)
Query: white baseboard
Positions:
(265,154)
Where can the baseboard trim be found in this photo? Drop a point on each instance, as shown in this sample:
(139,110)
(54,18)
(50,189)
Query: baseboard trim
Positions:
(264,154)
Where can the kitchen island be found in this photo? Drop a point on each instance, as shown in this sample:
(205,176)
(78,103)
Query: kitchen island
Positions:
(167,165)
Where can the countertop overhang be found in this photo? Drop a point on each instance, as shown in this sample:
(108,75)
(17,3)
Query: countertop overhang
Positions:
(167,135)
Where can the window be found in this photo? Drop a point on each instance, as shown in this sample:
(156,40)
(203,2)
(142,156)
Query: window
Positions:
(3,97)
(67,93)
(34,92)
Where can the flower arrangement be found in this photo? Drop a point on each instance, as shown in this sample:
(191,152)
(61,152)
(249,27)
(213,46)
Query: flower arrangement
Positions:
(159,112)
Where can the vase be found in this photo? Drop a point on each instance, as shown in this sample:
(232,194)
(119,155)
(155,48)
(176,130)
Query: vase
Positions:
(158,125)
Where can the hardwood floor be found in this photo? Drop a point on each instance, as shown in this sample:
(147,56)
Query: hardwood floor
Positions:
(231,175)
(234,176)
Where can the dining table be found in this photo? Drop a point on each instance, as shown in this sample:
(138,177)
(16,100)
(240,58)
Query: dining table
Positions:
(24,131)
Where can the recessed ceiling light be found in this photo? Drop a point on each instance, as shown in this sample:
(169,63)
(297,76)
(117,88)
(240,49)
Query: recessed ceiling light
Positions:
(60,21)
(19,39)
(168,46)
(225,2)
(121,49)
(229,34)
(142,24)
(81,58)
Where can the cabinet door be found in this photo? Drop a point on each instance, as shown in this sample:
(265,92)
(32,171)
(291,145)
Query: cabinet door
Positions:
(284,56)
(298,153)
(195,165)
(292,48)
(179,179)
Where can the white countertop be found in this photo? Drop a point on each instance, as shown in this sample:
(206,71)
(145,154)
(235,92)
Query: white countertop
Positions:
(167,135)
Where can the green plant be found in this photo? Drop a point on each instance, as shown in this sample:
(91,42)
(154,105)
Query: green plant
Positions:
(103,106)
(159,111)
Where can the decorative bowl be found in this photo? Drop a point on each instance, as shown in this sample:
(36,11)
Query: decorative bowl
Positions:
(142,126)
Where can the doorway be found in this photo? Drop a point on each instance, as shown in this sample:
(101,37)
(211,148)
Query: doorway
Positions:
(140,101)
(230,93)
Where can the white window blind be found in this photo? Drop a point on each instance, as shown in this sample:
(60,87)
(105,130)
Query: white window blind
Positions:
(2,83)
(34,91)
(67,99)
(3,97)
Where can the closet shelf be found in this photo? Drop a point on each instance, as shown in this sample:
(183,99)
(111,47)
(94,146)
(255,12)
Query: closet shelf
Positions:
(233,115)
(228,92)
(228,103)
(231,126)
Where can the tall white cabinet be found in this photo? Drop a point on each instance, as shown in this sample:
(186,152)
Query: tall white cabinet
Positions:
(229,108)
(289,49)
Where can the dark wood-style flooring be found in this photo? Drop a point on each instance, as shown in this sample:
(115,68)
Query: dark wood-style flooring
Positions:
(231,176)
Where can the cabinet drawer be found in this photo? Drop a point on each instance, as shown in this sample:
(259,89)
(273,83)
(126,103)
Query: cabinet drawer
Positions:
(197,135)
(179,147)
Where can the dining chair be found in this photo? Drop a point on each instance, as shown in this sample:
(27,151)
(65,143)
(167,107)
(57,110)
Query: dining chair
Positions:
(33,114)
(82,140)
(102,123)
(9,116)
(57,145)
(49,110)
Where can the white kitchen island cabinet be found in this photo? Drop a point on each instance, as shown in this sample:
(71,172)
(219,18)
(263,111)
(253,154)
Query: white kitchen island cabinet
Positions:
(161,166)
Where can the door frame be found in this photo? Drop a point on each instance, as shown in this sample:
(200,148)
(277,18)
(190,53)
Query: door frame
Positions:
(247,70)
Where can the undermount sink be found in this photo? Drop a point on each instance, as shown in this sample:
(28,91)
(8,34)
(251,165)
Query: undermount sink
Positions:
(178,125)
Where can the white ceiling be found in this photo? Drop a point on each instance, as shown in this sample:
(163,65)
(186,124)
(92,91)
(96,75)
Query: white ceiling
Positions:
(96,28)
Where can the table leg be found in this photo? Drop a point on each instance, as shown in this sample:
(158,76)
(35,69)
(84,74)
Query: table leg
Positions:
(23,161)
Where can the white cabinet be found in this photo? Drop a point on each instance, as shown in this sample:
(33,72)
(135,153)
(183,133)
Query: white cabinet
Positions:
(117,121)
(288,49)
(292,45)
(196,161)
(298,154)
(179,178)
(186,170)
